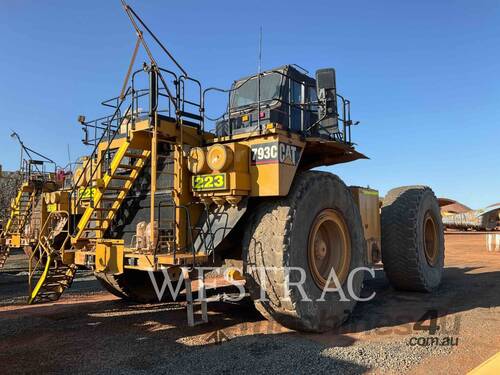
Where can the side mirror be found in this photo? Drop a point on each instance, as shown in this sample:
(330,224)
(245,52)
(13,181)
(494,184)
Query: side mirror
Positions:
(81,119)
(85,139)
(326,88)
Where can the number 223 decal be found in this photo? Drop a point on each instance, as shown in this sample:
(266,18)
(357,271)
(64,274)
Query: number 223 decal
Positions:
(209,182)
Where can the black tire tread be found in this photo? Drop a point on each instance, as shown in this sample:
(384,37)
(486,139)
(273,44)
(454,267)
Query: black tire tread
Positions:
(400,251)
(110,283)
(130,286)
(274,221)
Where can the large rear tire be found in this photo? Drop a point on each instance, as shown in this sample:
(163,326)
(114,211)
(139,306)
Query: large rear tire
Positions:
(412,238)
(315,228)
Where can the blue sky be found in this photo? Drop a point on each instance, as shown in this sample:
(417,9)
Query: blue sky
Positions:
(423,76)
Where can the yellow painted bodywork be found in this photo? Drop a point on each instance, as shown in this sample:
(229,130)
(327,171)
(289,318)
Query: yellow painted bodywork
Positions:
(109,256)
(254,165)
(490,367)
(15,240)
(367,201)
(271,177)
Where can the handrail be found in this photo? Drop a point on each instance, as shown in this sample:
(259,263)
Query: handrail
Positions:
(89,161)
(174,219)
(130,12)
(40,243)
(184,101)
(15,211)
(344,135)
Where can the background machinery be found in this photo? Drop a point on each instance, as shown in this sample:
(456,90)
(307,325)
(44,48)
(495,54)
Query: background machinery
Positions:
(27,208)
(160,192)
(484,219)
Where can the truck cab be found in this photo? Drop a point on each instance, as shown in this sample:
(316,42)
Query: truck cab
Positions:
(286,96)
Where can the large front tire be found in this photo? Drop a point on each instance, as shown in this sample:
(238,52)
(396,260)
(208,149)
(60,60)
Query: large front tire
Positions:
(315,228)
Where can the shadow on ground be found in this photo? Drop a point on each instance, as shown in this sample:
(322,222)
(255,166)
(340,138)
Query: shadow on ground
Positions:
(112,335)
(461,290)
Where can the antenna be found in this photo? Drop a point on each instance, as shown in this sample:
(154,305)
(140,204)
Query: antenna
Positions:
(69,158)
(260,50)
(258,78)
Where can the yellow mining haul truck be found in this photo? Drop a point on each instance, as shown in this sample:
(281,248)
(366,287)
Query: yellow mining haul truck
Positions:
(162,191)
(27,209)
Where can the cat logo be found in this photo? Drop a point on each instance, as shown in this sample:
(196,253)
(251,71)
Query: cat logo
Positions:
(276,152)
(289,154)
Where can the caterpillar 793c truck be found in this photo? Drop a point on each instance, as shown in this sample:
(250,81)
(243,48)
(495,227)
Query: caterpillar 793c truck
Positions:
(161,192)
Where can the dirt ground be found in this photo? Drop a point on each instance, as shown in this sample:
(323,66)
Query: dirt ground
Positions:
(91,331)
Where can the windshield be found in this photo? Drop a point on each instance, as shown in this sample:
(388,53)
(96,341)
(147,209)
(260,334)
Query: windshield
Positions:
(247,92)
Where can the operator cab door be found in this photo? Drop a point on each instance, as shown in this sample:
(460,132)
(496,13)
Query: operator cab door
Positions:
(299,101)
(303,107)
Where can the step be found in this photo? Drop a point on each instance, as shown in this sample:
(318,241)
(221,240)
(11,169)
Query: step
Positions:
(104,209)
(47,294)
(52,290)
(57,276)
(52,283)
(113,188)
(58,280)
(123,178)
(135,156)
(52,296)
(109,199)
(126,166)
(49,286)
(54,271)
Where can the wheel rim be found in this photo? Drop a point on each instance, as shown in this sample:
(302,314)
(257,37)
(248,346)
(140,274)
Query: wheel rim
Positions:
(431,245)
(329,247)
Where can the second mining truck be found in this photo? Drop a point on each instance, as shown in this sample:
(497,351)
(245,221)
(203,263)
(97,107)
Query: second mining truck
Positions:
(160,192)
(25,215)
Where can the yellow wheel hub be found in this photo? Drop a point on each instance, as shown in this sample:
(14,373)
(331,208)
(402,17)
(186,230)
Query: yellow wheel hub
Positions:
(329,247)
(431,243)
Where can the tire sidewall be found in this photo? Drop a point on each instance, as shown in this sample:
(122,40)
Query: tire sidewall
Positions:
(433,273)
(314,200)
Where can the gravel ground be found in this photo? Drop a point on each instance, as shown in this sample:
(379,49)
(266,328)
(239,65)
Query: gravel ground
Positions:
(91,331)
(396,356)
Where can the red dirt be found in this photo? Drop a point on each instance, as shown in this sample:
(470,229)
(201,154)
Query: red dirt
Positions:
(84,332)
